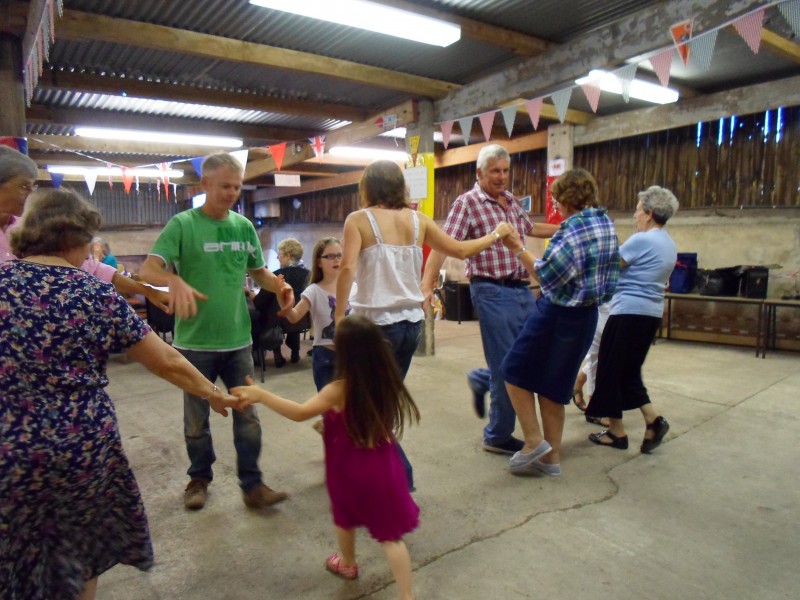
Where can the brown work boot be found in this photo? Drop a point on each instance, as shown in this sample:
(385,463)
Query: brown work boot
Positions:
(194,497)
(262,496)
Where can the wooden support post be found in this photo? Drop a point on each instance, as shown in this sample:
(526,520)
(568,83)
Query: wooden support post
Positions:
(12,94)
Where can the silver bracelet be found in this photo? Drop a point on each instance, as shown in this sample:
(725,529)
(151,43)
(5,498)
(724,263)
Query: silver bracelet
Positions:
(214,390)
(519,252)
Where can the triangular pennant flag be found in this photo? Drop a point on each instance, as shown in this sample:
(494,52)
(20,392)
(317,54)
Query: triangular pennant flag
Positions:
(561,100)
(447,131)
(625,76)
(318,145)
(158,189)
(110,181)
(241,156)
(277,151)
(791,12)
(413,148)
(164,167)
(137,183)
(466,128)
(175,192)
(509,114)
(57,179)
(703,49)
(197,163)
(534,108)
(487,120)
(592,91)
(749,27)
(681,34)
(90,177)
(662,63)
(127,179)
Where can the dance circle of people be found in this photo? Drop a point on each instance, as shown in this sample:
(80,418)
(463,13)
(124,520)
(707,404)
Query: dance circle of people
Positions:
(70,507)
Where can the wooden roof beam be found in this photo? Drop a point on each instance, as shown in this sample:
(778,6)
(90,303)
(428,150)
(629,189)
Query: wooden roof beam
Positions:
(78,26)
(780,45)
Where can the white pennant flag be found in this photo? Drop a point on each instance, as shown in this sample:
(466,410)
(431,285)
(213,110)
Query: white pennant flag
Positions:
(466,128)
(702,48)
(91,179)
(791,12)
(626,75)
(561,100)
(509,113)
(241,156)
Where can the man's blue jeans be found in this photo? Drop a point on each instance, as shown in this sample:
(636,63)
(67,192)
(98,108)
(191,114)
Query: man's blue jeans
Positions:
(404,337)
(502,312)
(231,367)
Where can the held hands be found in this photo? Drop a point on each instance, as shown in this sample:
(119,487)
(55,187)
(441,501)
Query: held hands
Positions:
(246,395)
(504,230)
(285,294)
(220,402)
(513,242)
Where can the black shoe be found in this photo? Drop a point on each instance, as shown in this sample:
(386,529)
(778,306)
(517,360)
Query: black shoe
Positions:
(296,356)
(618,442)
(279,361)
(659,427)
(510,446)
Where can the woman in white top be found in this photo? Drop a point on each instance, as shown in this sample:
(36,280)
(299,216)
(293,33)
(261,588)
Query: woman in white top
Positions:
(383,256)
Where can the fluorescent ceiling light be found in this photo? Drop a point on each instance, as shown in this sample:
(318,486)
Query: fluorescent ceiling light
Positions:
(400,133)
(641,90)
(113,171)
(158,137)
(372,17)
(372,153)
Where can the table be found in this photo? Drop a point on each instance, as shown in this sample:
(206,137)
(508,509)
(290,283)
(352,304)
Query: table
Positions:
(717,336)
(770,311)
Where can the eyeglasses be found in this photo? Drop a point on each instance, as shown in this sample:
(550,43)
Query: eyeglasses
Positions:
(332,256)
(27,188)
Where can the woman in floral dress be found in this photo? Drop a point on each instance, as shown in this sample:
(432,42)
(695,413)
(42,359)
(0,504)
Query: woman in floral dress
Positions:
(70,508)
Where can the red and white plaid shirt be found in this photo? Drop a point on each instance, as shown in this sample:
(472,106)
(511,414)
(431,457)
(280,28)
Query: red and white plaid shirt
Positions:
(475,214)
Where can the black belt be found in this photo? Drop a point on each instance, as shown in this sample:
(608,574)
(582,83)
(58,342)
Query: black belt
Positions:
(501,282)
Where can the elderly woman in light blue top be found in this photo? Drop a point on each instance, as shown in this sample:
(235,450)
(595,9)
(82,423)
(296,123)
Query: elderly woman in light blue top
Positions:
(637,307)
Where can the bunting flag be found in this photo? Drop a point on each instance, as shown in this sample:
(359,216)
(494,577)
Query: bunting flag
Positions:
(791,12)
(447,131)
(57,179)
(164,167)
(127,179)
(197,163)
(681,34)
(626,75)
(534,108)
(277,151)
(466,128)
(137,183)
(487,121)
(749,27)
(20,144)
(158,189)
(175,192)
(592,91)
(318,145)
(413,148)
(703,49)
(241,156)
(509,114)
(662,63)
(90,177)
(110,180)
(561,100)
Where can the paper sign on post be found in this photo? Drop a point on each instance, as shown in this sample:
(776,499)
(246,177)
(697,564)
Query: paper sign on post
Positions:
(417,182)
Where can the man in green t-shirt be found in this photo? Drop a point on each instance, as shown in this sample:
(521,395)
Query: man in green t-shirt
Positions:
(211,249)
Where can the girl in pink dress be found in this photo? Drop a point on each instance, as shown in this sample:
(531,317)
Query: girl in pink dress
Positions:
(363,413)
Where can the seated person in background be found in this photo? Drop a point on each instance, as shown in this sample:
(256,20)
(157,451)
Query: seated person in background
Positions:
(290,255)
(101,252)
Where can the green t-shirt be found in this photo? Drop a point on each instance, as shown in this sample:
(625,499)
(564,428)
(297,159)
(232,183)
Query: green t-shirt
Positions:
(212,256)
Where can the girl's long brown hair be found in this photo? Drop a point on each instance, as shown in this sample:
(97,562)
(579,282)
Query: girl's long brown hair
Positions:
(315,275)
(377,402)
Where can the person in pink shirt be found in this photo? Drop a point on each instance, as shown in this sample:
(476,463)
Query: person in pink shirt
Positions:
(18,175)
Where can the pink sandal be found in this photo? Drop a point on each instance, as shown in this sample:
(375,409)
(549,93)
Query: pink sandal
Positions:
(335,566)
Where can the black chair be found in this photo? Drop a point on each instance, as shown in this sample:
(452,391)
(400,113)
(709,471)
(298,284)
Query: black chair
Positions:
(266,339)
(159,321)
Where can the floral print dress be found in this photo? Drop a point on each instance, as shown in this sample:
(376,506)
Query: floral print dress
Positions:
(70,507)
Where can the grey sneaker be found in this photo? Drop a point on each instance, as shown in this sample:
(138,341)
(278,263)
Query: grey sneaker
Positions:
(553,470)
(195,495)
(262,496)
(520,463)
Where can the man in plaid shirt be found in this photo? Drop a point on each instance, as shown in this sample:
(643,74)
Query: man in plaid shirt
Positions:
(498,281)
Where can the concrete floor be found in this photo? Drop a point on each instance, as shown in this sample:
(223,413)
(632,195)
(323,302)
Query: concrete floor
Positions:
(713,513)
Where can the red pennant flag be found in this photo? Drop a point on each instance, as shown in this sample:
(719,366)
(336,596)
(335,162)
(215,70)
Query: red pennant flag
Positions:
(165,178)
(662,63)
(487,120)
(277,151)
(592,91)
(447,131)
(127,179)
(318,145)
(534,110)
(682,33)
(749,27)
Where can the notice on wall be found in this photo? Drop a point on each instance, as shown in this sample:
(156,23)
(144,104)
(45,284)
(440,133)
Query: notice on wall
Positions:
(417,182)
(282,180)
